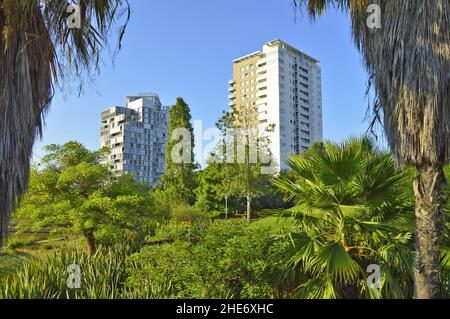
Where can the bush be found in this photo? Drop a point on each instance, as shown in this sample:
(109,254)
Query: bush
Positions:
(164,268)
(188,214)
(230,260)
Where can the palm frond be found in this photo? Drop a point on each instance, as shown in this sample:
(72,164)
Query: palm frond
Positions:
(306,247)
(336,263)
(38,49)
(370,293)
(318,288)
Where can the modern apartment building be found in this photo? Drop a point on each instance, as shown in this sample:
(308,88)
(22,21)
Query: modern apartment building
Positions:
(279,88)
(137,137)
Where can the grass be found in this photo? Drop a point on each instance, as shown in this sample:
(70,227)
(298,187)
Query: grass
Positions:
(10,262)
(22,247)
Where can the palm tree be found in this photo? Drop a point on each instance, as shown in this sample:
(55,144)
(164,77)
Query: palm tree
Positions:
(408,61)
(40,45)
(351,212)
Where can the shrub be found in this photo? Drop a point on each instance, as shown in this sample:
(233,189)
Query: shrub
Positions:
(231,260)
(188,214)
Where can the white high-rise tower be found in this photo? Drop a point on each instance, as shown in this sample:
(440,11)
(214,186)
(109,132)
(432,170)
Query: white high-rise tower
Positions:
(279,86)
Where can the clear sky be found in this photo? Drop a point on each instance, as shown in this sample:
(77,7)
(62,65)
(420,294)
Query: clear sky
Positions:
(186,48)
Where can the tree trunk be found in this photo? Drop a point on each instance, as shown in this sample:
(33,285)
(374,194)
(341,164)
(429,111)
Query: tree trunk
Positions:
(5,195)
(249,209)
(90,239)
(429,204)
(26,79)
(226,207)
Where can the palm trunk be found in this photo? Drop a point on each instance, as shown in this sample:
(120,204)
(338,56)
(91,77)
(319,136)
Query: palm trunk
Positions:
(4,205)
(429,204)
(26,91)
(90,239)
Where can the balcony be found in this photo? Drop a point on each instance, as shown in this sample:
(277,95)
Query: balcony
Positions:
(232,96)
(261,94)
(115,130)
(261,86)
(117,140)
(261,71)
(261,102)
(121,118)
(261,116)
(262,64)
(261,78)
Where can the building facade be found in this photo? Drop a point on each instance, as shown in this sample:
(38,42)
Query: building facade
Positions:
(137,137)
(278,91)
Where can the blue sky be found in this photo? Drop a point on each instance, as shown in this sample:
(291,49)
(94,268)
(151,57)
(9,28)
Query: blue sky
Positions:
(185,48)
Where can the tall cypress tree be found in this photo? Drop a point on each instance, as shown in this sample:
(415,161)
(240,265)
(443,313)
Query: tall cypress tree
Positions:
(179,179)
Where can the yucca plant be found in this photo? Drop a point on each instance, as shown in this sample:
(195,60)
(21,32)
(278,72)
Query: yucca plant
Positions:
(102,276)
(351,211)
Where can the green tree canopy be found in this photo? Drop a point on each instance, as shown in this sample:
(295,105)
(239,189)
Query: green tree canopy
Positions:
(72,193)
(179,180)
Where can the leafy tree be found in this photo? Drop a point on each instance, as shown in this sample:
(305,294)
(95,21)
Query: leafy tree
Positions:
(270,197)
(179,179)
(247,181)
(126,185)
(39,48)
(411,85)
(351,211)
(239,179)
(73,193)
(209,192)
(224,187)
(70,154)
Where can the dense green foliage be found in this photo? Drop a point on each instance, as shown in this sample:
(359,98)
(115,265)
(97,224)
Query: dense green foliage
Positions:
(71,192)
(349,207)
(226,260)
(102,275)
(231,181)
(179,180)
(213,191)
(352,211)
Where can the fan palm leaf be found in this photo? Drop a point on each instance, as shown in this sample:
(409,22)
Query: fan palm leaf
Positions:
(345,216)
(336,263)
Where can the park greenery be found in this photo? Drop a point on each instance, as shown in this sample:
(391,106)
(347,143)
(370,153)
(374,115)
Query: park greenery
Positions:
(340,210)
(314,230)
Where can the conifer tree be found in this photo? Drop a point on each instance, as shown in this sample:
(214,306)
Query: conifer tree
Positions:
(179,180)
